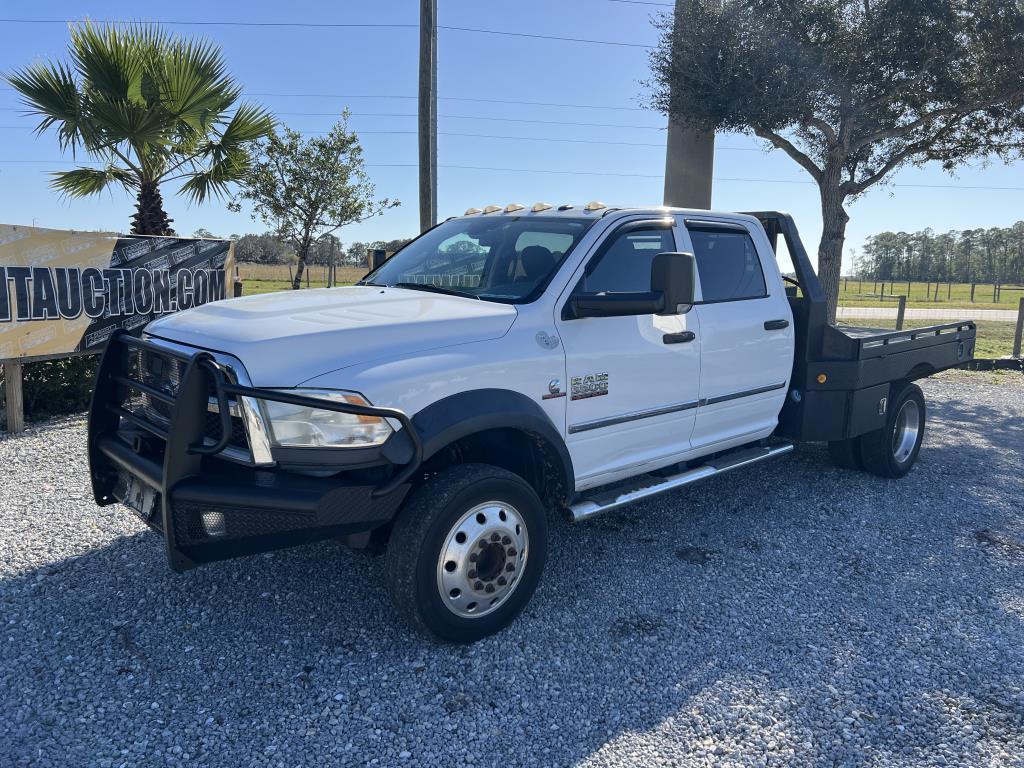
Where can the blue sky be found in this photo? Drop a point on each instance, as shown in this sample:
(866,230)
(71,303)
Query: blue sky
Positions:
(373,71)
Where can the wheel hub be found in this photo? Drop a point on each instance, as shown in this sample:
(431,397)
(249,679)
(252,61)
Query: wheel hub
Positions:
(907,427)
(482,559)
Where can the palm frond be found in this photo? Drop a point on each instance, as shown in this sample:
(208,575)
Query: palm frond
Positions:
(248,124)
(82,182)
(109,61)
(217,178)
(50,91)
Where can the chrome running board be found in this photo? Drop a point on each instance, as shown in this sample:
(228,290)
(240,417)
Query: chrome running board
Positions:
(589,507)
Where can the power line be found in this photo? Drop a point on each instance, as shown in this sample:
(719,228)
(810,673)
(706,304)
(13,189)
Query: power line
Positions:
(413,98)
(448,98)
(558,172)
(642,2)
(335,25)
(449,117)
(554,139)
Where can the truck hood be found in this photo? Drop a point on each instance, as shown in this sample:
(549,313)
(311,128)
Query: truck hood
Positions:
(286,338)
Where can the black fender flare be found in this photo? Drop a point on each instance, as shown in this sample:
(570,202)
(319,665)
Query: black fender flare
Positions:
(457,416)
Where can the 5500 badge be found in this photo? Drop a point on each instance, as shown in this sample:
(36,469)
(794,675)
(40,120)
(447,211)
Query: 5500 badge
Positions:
(590,385)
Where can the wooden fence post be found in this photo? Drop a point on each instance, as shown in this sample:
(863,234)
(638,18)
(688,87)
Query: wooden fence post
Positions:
(14,396)
(901,312)
(973,286)
(1020,328)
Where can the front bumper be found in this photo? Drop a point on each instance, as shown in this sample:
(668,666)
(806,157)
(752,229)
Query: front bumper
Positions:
(207,508)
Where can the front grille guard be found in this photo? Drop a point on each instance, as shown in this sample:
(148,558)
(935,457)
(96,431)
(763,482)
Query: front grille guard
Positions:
(184,438)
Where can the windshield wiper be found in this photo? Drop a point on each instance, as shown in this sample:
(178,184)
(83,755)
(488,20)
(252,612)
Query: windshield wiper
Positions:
(430,287)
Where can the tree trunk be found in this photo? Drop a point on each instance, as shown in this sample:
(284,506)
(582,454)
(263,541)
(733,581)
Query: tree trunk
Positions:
(150,217)
(830,249)
(303,254)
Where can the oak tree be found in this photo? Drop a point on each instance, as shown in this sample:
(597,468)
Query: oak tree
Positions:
(851,90)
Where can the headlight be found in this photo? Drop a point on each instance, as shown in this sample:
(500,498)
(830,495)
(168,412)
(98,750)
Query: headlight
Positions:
(295,426)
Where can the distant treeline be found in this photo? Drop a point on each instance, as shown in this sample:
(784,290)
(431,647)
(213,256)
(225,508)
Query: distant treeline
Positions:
(971,256)
(268,249)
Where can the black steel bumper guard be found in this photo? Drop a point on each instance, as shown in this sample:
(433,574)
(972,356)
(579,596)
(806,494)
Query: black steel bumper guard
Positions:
(209,509)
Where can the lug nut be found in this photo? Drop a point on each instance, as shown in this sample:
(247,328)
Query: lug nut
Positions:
(472,574)
(502,581)
(510,567)
(511,551)
(478,586)
(490,588)
(506,541)
(472,557)
(495,537)
(483,543)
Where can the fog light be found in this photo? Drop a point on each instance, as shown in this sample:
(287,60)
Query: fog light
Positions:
(214,524)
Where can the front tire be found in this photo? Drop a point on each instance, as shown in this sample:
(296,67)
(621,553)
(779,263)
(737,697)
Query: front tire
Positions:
(466,552)
(892,450)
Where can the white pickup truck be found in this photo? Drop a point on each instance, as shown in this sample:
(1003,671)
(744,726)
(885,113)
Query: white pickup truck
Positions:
(505,363)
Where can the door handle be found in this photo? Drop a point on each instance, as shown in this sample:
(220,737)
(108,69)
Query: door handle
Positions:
(775,325)
(678,338)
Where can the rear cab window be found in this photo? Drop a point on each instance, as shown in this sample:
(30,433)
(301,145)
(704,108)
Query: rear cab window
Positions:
(728,265)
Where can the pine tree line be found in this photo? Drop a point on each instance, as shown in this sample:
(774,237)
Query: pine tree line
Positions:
(993,255)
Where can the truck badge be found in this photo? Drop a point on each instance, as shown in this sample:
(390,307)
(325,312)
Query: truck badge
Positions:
(554,390)
(591,385)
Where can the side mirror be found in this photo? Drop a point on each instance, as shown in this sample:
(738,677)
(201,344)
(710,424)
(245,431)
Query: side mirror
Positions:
(673,275)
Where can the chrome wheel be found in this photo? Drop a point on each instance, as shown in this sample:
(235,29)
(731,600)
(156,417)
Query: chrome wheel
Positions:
(906,431)
(482,558)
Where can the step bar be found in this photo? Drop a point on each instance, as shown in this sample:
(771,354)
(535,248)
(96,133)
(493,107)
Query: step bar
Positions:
(584,509)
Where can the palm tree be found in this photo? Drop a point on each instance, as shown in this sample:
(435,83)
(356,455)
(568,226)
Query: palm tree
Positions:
(151,108)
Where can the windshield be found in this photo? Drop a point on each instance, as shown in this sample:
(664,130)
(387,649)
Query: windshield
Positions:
(504,258)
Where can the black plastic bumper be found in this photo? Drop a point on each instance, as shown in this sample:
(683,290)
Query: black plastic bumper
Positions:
(209,509)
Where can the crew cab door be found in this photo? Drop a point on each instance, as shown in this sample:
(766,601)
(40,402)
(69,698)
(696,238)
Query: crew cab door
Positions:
(632,381)
(746,333)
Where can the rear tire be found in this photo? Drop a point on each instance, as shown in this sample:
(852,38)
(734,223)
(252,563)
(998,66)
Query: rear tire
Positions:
(846,453)
(466,552)
(892,450)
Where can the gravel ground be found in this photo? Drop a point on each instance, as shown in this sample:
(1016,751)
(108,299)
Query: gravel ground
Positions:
(793,614)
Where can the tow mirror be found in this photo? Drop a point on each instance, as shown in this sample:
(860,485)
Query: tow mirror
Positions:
(673,276)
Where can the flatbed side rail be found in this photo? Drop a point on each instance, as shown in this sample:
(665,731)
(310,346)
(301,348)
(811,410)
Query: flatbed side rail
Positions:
(884,343)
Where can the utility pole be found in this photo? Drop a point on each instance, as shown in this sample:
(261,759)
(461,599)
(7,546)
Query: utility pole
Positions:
(689,155)
(428,114)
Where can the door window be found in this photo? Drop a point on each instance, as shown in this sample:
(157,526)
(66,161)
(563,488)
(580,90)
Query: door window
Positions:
(624,262)
(728,265)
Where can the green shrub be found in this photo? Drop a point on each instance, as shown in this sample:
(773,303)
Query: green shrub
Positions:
(56,387)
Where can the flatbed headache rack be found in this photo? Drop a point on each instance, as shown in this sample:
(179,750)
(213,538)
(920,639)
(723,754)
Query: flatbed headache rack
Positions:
(842,375)
(169,458)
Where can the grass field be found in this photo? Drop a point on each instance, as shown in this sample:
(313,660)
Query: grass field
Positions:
(867,293)
(267,278)
(995,339)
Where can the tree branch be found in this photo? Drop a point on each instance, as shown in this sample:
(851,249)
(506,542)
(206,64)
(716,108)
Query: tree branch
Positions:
(855,188)
(787,146)
(930,117)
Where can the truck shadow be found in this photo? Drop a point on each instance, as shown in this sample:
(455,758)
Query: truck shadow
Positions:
(801,613)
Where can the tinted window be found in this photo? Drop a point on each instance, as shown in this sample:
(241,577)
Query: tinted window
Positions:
(624,263)
(728,265)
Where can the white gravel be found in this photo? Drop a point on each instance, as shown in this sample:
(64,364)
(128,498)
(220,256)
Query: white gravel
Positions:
(792,614)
